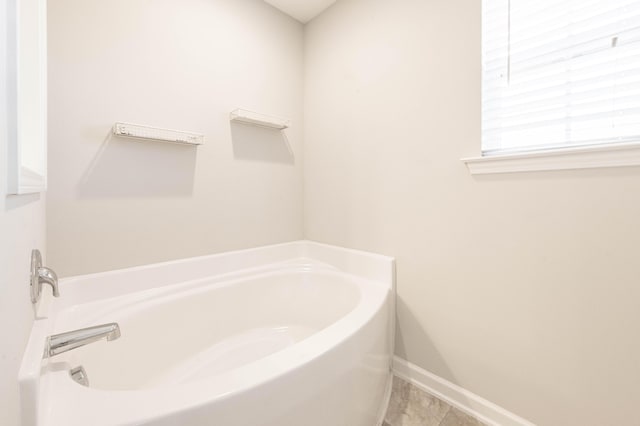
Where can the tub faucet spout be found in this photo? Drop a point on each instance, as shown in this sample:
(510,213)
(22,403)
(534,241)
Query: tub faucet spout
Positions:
(63,342)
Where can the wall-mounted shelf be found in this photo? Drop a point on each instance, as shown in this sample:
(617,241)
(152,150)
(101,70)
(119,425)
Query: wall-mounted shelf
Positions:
(257,119)
(136,131)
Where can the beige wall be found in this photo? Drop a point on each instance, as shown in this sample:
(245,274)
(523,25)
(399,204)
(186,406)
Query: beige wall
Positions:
(181,64)
(21,230)
(521,288)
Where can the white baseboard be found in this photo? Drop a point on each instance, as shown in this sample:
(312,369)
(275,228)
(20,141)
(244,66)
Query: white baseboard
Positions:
(456,396)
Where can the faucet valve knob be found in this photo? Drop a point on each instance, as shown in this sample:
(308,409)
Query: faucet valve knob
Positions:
(41,275)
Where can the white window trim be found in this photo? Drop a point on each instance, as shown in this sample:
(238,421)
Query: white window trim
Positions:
(589,157)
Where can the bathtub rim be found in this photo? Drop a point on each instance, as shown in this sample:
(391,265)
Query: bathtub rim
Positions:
(374,266)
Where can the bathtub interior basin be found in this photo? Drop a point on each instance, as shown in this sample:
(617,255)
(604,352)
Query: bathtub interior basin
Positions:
(205,328)
(263,336)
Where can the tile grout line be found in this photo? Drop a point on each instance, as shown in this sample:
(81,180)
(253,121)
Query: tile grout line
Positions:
(445,414)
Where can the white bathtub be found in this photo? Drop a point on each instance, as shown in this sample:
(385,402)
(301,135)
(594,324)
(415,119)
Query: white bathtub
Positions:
(293,334)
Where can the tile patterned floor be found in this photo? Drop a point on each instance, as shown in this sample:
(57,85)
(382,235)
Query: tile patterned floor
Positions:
(410,406)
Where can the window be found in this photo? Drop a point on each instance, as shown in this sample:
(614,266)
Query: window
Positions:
(559,74)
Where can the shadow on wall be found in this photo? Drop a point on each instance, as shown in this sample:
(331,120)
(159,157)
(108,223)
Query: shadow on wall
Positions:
(256,143)
(554,176)
(436,364)
(17,201)
(137,168)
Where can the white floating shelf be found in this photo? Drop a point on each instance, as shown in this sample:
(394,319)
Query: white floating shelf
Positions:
(136,131)
(250,117)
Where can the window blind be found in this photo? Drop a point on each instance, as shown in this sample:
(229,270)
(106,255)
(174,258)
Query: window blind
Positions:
(559,73)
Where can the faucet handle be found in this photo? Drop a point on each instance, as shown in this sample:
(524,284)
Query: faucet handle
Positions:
(41,275)
(48,276)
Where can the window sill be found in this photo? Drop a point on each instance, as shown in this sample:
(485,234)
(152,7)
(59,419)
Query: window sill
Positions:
(614,155)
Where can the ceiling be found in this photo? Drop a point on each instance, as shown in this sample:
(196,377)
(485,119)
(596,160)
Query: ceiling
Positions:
(302,10)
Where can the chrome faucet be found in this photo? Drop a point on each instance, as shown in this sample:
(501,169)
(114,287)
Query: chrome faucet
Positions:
(63,342)
(41,275)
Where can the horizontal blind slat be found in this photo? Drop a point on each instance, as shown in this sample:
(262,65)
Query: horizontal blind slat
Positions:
(560,73)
